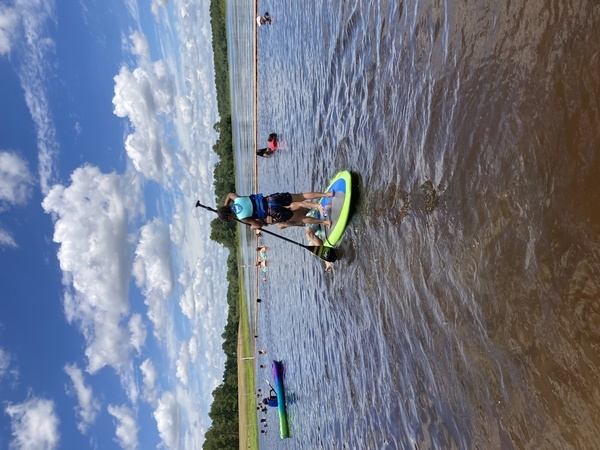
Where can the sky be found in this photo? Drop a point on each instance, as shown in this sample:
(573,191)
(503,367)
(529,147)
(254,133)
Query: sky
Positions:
(113,297)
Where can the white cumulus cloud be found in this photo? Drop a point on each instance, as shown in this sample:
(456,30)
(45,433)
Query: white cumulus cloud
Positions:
(183,364)
(16,180)
(6,239)
(138,332)
(88,406)
(186,299)
(140,45)
(186,110)
(149,376)
(16,183)
(146,96)
(168,420)
(126,427)
(177,226)
(34,425)
(153,270)
(90,226)
(155,6)
(193,348)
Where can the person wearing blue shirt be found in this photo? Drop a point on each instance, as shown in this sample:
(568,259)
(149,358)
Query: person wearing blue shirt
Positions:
(272,399)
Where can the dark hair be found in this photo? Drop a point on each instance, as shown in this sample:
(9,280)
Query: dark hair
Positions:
(225,213)
(265,401)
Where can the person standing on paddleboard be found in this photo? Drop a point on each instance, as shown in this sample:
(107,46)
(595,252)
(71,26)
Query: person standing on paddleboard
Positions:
(258,210)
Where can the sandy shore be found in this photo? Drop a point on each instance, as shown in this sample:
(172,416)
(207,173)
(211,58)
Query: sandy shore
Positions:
(255,129)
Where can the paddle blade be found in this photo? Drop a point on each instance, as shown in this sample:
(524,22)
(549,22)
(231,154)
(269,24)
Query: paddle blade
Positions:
(325,253)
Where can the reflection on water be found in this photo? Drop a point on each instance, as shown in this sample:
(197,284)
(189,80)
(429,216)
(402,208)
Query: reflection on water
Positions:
(465,310)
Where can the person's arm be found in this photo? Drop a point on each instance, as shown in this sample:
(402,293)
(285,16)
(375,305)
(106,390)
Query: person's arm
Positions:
(230,198)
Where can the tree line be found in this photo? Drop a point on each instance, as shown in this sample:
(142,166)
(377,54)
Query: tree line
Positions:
(224,412)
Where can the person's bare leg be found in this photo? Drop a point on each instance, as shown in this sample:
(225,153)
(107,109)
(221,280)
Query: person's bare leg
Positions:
(284,225)
(300,216)
(312,220)
(316,241)
(303,204)
(313,238)
(310,196)
(295,220)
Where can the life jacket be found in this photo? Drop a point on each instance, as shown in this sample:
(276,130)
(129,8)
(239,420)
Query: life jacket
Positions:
(252,207)
(274,144)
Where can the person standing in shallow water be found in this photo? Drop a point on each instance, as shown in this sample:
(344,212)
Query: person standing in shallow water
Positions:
(271,400)
(273,141)
(265,19)
(273,144)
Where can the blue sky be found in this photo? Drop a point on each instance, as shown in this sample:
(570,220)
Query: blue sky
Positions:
(113,297)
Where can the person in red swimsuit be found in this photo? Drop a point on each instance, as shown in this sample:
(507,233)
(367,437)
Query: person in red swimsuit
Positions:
(273,144)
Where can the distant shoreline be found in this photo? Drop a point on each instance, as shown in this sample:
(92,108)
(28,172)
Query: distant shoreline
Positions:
(248,420)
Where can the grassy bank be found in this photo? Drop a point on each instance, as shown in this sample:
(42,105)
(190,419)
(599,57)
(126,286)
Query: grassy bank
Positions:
(246,342)
(239,378)
(246,381)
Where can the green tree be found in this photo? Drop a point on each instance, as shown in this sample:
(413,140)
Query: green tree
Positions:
(224,430)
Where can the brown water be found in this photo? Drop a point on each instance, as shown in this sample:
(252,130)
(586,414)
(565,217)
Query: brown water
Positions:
(465,309)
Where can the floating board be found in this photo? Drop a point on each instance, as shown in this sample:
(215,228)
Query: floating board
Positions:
(277,368)
(336,208)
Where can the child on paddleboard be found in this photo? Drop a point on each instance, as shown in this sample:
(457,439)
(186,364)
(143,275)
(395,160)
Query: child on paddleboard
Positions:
(311,210)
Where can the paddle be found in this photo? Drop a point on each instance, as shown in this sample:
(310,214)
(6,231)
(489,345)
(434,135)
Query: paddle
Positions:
(272,388)
(325,253)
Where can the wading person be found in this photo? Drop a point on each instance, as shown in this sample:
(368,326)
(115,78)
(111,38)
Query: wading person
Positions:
(273,144)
